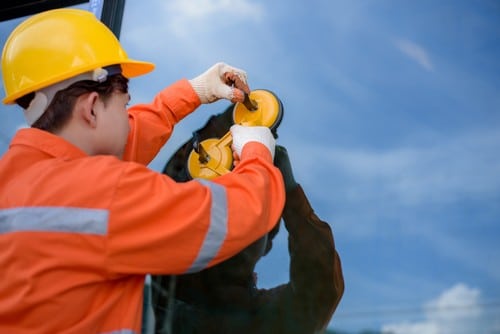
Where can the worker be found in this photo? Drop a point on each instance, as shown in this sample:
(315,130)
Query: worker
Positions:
(226,298)
(82,218)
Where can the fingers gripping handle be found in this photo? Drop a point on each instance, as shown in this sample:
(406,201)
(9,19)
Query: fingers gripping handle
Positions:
(221,81)
(243,135)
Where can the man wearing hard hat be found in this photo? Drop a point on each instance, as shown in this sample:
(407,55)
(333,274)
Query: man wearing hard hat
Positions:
(82,218)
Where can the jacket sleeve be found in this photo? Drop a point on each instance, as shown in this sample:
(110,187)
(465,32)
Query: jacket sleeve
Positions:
(152,124)
(307,303)
(159,226)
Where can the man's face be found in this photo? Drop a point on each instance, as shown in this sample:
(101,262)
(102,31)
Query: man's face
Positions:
(112,124)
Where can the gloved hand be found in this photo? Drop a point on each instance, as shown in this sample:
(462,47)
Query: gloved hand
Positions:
(282,161)
(245,134)
(216,84)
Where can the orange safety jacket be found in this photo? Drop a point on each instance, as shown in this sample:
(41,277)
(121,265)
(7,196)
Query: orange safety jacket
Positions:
(79,233)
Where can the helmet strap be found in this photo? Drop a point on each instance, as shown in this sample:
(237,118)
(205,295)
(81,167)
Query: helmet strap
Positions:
(44,96)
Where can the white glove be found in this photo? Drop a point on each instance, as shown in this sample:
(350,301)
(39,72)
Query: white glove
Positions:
(245,134)
(216,84)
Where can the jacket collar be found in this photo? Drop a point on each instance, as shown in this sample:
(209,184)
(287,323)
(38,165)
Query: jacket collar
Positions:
(47,143)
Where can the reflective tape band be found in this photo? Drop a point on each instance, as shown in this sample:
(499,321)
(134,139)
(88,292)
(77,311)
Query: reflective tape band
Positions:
(217,230)
(121,331)
(54,219)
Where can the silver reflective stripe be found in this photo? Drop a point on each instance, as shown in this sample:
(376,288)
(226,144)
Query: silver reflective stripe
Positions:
(54,219)
(121,331)
(217,230)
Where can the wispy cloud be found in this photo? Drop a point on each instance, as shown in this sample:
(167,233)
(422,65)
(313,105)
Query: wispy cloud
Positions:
(205,8)
(399,186)
(456,310)
(415,52)
(189,34)
(186,15)
(451,169)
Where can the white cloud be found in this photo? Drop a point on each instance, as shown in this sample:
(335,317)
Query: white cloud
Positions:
(205,8)
(184,37)
(409,328)
(456,310)
(459,301)
(396,187)
(415,52)
(453,168)
(186,15)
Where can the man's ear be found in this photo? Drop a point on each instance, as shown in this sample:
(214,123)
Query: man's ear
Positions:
(86,105)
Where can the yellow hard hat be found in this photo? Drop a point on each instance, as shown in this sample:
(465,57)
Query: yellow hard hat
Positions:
(59,44)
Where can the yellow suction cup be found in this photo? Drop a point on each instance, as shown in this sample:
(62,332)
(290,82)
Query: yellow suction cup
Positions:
(213,157)
(268,110)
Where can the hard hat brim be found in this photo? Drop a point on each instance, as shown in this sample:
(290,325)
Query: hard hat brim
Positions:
(130,68)
(134,68)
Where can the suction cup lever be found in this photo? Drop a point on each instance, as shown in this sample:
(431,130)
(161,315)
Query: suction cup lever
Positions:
(204,157)
(250,104)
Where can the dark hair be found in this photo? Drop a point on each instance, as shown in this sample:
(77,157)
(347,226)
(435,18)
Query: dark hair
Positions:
(61,107)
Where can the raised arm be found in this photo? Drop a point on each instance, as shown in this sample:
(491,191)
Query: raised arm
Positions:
(152,124)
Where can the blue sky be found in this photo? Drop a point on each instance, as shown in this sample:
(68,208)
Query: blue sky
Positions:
(392,122)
